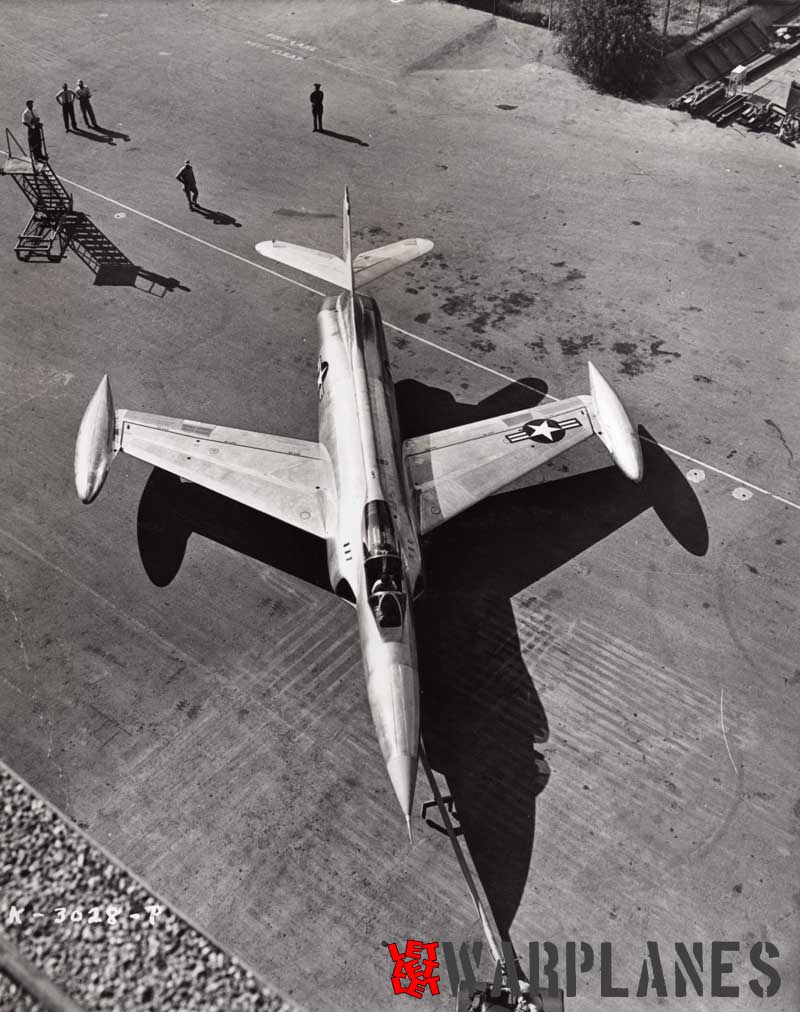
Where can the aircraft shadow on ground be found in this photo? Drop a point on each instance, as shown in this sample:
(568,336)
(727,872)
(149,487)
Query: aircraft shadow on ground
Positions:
(109,264)
(481,714)
(170,511)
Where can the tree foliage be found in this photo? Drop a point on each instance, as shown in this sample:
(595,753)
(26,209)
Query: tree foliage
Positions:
(610,43)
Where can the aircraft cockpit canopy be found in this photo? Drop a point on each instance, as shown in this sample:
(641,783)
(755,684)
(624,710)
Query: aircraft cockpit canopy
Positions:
(383,568)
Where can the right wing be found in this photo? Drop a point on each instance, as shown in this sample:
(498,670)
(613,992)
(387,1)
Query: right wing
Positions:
(287,478)
(456,468)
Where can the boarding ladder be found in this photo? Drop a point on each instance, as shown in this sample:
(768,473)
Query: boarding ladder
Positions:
(47,231)
(502,951)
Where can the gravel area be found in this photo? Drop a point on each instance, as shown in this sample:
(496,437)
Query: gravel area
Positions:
(97,931)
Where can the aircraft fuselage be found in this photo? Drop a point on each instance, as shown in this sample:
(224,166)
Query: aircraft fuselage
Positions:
(374,558)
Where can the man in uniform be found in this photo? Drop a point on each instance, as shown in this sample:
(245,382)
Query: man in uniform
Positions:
(186,177)
(317,96)
(66,99)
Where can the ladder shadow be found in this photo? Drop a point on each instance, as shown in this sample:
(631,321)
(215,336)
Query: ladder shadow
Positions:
(109,264)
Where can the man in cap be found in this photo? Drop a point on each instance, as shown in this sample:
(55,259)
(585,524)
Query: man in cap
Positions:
(317,96)
(187,179)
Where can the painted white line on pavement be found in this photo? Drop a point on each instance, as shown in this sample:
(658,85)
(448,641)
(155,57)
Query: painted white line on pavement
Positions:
(725,474)
(416,337)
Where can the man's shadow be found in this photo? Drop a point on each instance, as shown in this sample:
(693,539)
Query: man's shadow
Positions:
(217,217)
(90,136)
(344,137)
(112,133)
(482,718)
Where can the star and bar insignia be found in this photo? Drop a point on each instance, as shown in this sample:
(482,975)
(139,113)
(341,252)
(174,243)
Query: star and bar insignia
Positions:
(543,430)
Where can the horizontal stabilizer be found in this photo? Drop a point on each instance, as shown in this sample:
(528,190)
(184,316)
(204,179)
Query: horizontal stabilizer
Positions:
(377,262)
(346,271)
(326,266)
(366,266)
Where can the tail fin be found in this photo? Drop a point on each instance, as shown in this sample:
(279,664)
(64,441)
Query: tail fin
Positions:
(347,249)
(346,271)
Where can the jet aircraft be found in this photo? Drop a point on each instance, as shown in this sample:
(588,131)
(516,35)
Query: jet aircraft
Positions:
(370,494)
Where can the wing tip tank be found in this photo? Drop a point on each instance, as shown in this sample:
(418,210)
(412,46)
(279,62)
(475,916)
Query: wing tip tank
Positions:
(615,427)
(94,445)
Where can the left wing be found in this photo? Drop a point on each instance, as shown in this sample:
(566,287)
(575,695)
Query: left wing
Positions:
(287,478)
(456,468)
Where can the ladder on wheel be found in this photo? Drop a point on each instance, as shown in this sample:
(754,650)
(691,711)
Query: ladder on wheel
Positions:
(47,231)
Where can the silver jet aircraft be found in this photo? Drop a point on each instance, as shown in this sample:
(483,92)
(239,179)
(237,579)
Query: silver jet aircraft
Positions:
(368,493)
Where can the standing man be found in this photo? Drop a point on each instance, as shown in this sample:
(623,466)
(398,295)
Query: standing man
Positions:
(84,95)
(317,96)
(66,99)
(186,177)
(31,120)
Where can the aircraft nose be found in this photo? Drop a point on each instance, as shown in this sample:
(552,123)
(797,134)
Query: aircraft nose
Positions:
(402,769)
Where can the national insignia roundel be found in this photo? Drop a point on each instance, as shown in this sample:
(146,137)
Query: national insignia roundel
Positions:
(545,430)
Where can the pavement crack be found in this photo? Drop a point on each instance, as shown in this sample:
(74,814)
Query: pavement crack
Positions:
(782,438)
(18,626)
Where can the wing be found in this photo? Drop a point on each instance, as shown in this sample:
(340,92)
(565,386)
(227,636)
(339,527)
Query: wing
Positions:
(288,478)
(377,262)
(458,467)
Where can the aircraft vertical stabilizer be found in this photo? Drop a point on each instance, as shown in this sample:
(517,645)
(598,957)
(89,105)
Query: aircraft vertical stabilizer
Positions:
(347,248)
